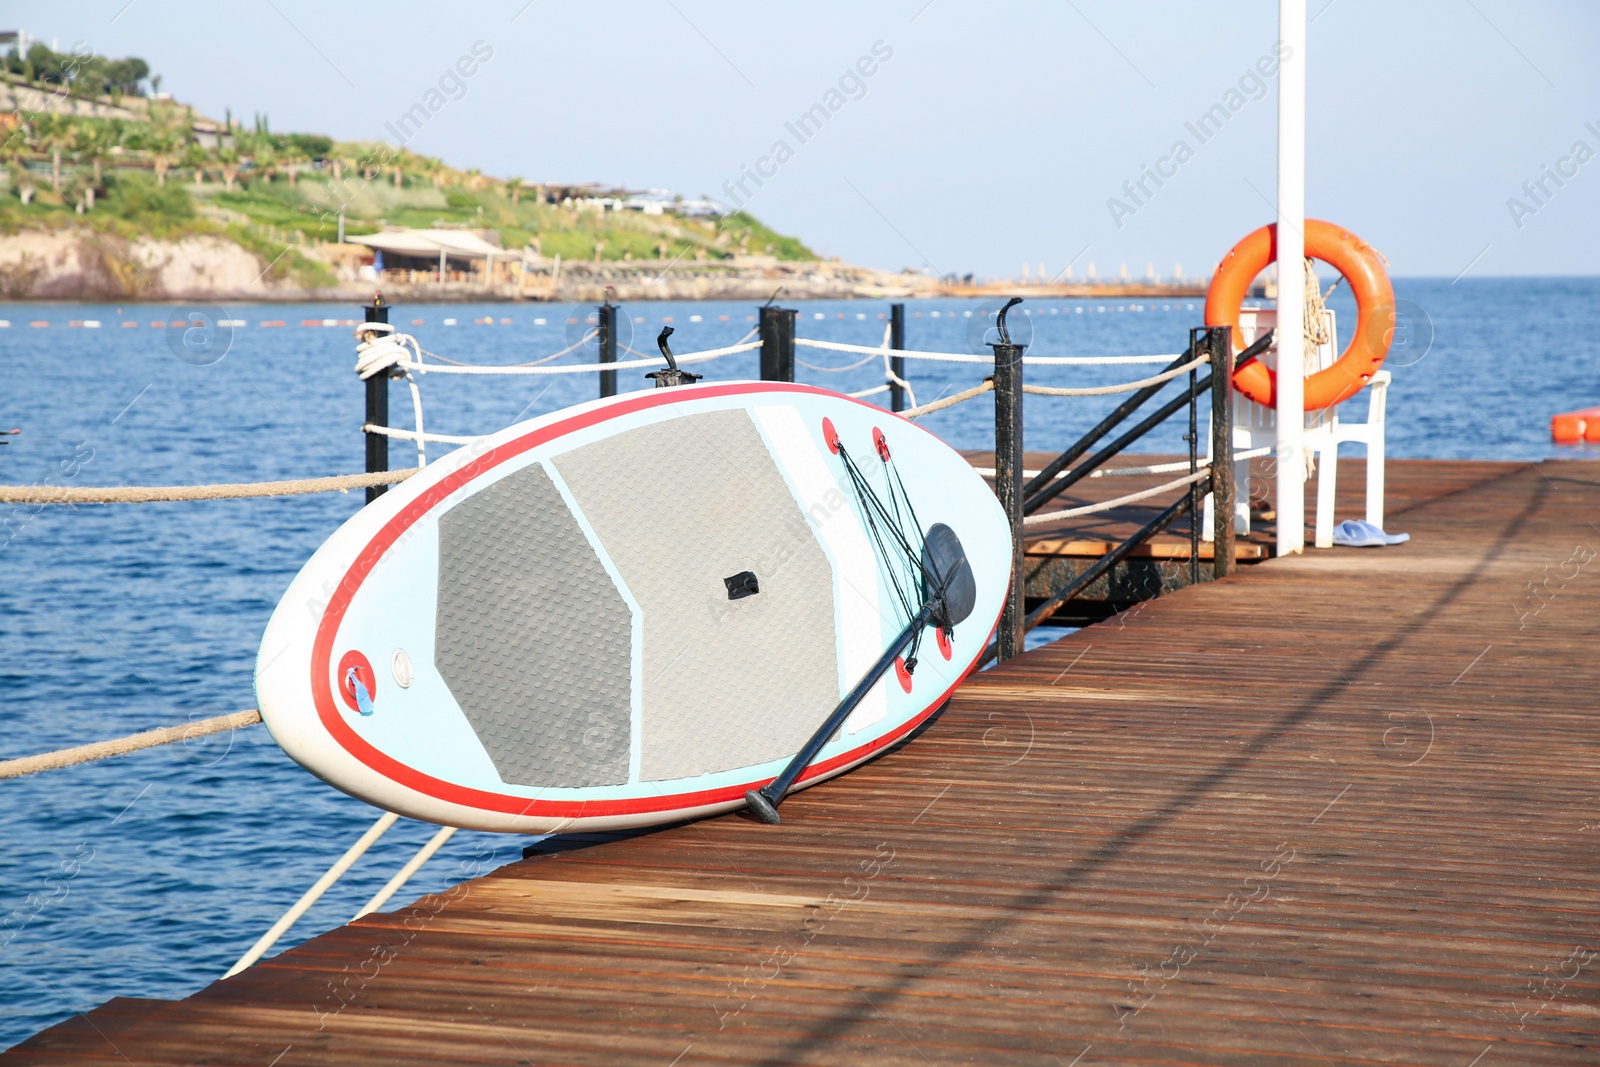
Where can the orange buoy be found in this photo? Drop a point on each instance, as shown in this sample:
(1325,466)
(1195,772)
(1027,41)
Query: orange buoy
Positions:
(1362,269)
(1576,426)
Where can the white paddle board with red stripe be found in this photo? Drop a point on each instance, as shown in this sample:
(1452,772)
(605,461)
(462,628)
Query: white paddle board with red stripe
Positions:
(625,613)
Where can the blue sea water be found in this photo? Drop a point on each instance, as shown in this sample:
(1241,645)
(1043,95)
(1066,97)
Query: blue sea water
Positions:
(149,875)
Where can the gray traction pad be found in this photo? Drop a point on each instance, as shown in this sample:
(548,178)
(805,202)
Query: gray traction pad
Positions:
(679,506)
(533,638)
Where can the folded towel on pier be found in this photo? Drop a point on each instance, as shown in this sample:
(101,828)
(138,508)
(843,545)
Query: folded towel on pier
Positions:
(1355,533)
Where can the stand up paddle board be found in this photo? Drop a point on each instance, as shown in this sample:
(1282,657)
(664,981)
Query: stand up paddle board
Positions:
(631,611)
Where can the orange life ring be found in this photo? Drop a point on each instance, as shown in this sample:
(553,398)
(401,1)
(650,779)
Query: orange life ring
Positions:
(1362,269)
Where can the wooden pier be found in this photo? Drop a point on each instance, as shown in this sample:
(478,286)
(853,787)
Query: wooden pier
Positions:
(1337,809)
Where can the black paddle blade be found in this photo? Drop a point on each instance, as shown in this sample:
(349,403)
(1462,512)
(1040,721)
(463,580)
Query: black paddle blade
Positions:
(761,807)
(956,590)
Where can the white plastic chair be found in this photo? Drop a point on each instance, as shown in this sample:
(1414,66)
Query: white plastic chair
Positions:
(1255,426)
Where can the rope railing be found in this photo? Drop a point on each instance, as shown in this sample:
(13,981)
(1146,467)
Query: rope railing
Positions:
(1124,387)
(883,350)
(573,347)
(1151,468)
(962,357)
(586,368)
(929,408)
(150,494)
(1117,502)
(412,435)
(841,370)
(988,385)
(121,746)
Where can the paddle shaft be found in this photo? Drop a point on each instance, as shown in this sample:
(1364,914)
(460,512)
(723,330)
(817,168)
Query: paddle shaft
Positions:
(773,792)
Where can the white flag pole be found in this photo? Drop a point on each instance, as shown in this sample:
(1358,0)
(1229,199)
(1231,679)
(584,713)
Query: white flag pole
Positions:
(1291,468)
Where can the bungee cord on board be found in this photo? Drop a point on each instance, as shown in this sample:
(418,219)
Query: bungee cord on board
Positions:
(903,562)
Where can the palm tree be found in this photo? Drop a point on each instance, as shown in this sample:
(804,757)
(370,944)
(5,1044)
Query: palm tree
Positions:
(162,147)
(263,153)
(163,138)
(514,188)
(56,134)
(290,156)
(196,157)
(340,156)
(15,150)
(99,138)
(434,169)
(228,161)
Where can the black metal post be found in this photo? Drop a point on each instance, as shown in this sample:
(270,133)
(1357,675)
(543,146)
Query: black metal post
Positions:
(1008,475)
(607,337)
(777,343)
(1194,468)
(1219,343)
(377,407)
(897,364)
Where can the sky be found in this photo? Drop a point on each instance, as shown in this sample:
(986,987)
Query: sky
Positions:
(959,136)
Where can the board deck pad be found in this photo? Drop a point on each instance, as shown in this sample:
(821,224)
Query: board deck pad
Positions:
(575,656)
(727,683)
(539,657)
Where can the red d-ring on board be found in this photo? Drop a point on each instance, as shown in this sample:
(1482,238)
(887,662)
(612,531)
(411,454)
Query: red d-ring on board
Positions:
(363,671)
(830,435)
(943,639)
(1362,268)
(881,444)
(901,673)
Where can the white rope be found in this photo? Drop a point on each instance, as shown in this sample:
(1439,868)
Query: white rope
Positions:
(956,357)
(1153,468)
(1169,468)
(874,391)
(579,343)
(1090,509)
(166,735)
(895,379)
(411,435)
(883,347)
(1125,387)
(591,368)
(420,436)
(379,349)
(748,334)
(949,401)
(1104,472)
(403,875)
(313,894)
(838,370)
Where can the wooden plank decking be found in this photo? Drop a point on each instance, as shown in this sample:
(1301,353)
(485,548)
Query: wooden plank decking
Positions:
(1340,809)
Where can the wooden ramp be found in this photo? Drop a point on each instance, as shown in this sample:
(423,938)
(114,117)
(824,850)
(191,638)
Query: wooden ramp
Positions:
(1341,809)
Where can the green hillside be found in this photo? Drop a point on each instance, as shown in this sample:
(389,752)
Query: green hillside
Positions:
(145,165)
